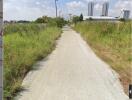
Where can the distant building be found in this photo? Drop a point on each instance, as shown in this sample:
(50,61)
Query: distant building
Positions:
(100,18)
(90,8)
(126,14)
(105,9)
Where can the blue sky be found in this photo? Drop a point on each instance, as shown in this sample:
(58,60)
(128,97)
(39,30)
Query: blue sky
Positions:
(32,9)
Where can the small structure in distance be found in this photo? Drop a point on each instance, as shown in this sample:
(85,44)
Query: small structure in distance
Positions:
(100,18)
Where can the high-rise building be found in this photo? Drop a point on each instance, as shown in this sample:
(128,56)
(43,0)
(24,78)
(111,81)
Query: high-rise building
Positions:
(1,8)
(90,8)
(105,9)
(126,14)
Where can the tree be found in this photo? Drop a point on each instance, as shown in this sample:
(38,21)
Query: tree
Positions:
(122,19)
(81,17)
(60,21)
(43,19)
(75,19)
(90,18)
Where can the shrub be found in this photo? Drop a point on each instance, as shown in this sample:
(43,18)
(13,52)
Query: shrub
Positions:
(59,22)
(24,44)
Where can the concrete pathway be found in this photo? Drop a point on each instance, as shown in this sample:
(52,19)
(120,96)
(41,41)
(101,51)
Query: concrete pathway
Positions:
(72,72)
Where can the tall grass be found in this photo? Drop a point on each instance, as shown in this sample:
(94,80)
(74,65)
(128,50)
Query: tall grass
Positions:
(24,44)
(112,42)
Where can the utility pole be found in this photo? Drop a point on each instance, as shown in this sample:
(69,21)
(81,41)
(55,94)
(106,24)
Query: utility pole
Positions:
(60,12)
(56,6)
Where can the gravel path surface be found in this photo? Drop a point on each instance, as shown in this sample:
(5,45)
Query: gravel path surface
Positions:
(72,72)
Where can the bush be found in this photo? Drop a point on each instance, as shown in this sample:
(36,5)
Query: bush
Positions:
(75,19)
(122,19)
(43,19)
(59,22)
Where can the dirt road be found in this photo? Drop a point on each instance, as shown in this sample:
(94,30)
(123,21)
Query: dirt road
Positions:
(72,72)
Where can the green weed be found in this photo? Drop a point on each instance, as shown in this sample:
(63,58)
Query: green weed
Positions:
(24,44)
(112,42)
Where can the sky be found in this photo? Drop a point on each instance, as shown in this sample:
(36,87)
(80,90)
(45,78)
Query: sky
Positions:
(32,9)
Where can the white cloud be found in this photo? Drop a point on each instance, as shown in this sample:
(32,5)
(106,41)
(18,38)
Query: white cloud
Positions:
(120,6)
(98,9)
(27,9)
(74,4)
(76,7)
(123,4)
(37,3)
(98,6)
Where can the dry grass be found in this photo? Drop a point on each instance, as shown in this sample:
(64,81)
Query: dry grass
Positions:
(112,43)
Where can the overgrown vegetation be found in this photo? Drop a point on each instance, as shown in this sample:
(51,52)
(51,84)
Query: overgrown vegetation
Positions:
(77,19)
(59,22)
(112,42)
(24,44)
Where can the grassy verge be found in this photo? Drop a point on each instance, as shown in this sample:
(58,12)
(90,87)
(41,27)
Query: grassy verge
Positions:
(24,44)
(112,42)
